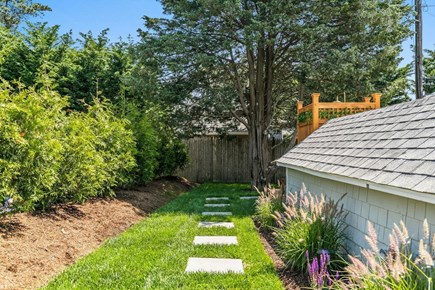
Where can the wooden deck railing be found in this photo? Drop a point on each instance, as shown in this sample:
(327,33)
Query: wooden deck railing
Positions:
(314,115)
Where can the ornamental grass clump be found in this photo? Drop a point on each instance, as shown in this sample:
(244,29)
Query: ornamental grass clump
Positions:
(398,268)
(309,223)
(270,200)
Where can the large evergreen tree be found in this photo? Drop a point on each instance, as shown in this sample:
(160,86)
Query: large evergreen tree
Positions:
(429,71)
(251,58)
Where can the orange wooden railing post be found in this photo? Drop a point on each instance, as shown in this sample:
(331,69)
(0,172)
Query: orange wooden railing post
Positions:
(367,99)
(377,100)
(299,106)
(315,102)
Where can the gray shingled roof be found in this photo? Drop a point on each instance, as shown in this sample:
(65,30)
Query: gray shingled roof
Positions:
(393,146)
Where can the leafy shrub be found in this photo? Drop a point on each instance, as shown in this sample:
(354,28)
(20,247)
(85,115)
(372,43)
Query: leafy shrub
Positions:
(146,145)
(397,269)
(98,152)
(172,154)
(82,169)
(158,150)
(270,201)
(47,156)
(31,150)
(309,223)
(115,144)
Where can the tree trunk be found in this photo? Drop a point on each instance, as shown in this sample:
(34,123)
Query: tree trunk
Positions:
(258,153)
(260,85)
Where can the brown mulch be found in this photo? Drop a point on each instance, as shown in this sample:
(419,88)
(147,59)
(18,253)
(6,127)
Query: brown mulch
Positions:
(36,247)
(291,280)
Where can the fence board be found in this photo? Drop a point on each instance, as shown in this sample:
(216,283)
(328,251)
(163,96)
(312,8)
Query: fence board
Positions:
(216,159)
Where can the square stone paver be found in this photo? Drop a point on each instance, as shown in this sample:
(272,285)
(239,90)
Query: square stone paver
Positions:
(215,240)
(248,197)
(217,205)
(227,225)
(216,213)
(217,198)
(214,265)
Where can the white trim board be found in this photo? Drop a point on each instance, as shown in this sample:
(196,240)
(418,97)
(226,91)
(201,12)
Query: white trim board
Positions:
(420,196)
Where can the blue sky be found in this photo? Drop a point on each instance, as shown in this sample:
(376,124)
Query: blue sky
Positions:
(124,17)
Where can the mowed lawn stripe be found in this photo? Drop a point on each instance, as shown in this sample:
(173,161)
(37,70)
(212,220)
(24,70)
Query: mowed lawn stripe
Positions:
(154,253)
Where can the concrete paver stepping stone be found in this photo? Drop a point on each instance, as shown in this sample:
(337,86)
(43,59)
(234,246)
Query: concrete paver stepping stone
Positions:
(248,197)
(217,204)
(216,213)
(214,265)
(217,198)
(215,240)
(227,225)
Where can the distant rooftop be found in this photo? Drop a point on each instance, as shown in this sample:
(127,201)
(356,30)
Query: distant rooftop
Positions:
(393,146)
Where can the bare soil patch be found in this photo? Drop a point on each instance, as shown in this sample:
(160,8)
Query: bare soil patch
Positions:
(292,280)
(36,247)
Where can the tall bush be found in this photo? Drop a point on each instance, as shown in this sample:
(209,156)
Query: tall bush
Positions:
(158,150)
(146,145)
(31,150)
(47,155)
(98,150)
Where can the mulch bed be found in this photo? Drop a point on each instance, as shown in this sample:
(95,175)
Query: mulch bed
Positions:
(290,279)
(36,247)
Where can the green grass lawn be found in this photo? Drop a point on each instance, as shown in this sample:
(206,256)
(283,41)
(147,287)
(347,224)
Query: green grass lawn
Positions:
(153,254)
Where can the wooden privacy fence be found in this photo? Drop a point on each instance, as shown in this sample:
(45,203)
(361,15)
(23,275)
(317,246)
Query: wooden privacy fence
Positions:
(314,115)
(217,159)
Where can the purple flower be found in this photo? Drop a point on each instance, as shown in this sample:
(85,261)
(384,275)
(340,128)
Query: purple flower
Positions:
(318,270)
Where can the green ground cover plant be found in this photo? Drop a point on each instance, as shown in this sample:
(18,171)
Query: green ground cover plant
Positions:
(153,254)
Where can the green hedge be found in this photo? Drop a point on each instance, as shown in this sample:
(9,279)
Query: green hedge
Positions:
(50,155)
(158,150)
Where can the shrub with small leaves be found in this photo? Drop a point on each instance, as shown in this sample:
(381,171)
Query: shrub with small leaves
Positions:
(48,155)
(31,150)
